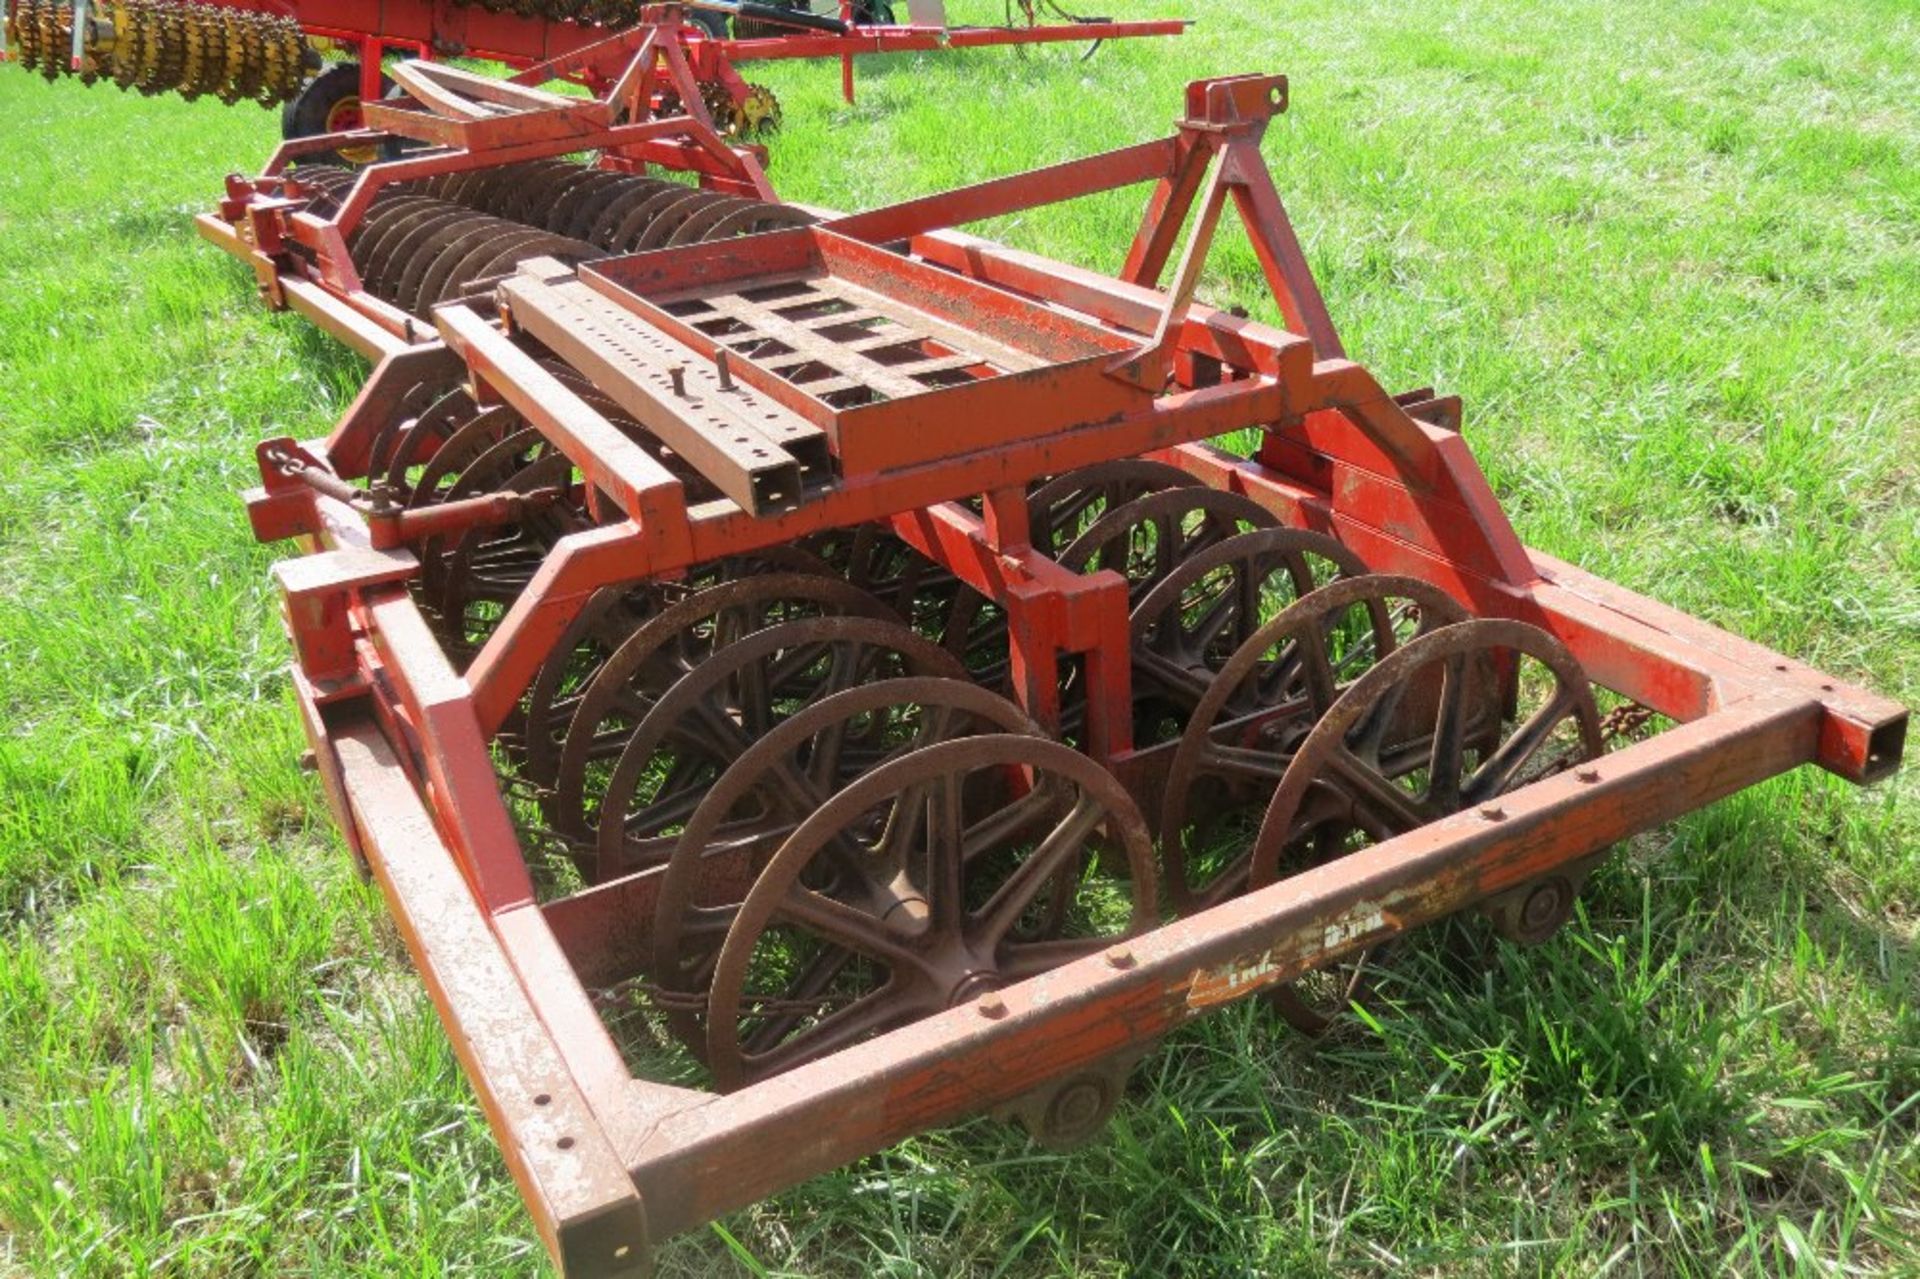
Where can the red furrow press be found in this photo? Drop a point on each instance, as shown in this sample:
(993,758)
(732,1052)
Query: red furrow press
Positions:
(840,648)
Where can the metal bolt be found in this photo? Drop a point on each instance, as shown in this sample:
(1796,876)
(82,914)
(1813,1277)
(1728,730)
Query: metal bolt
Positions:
(1493,812)
(720,367)
(992,1007)
(1119,957)
(679,375)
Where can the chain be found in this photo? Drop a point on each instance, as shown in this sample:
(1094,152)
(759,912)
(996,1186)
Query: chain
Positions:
(690,1001)
(1624,720)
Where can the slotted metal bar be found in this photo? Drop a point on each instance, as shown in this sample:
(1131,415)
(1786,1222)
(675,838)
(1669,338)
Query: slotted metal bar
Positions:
(998,354)
(846,363)
(673,396)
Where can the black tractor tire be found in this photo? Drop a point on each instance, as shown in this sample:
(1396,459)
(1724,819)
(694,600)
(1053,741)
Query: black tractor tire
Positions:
(319,108)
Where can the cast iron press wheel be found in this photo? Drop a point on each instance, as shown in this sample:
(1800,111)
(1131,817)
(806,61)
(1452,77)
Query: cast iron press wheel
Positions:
(1452,720)
(715,713)
(779,782)
(1060,509)
(1198,616)
(892,902)
(612,616)
(610,708)
(1262,702)
(1146,539)
(934,602)
(331,104)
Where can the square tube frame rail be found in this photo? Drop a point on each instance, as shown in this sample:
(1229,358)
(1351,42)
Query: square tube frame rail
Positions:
(609,1163)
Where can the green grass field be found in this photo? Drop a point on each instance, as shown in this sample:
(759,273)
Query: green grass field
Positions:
(1670,255)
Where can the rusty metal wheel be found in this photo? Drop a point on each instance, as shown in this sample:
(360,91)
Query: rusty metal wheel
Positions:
(775,785)
(399,457)
(467,441)
(425,255)
(632,230)
(1186,628)
(386,262)
(695,226)
(695,730)
(660,229)
(490,467)
(1062,508)
(530,201)
(1146,539)
(500,255)
(1452,720)
(613,214)
(573,213)
(759,217)
(892,903)
(363,241)
(934,601)
(487,568)
(1252,715)
(654,658)
(611,616)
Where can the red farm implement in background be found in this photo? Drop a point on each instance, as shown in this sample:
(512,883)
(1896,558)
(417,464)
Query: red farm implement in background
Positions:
(830,658)
(261,50)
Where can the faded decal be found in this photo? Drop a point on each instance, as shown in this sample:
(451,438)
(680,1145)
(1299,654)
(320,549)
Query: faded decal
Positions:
(1210,986)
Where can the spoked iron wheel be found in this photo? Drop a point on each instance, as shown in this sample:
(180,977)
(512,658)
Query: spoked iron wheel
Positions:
(780,781)
(1146,539)
(654,658)
(408,443)
(890,903)
(1254,713)
(934,601)
(476,581)
(1195,619)
(444,475)
(1062,508)
(710,717)
(1452,720)
(612,616)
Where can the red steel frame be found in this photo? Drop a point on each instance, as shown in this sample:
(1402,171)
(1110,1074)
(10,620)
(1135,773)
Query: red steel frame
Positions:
(442,28)
(609,1163)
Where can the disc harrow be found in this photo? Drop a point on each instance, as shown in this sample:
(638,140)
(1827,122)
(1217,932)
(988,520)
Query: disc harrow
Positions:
(837,644)
(257,50)
(429,241)
(166,46)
